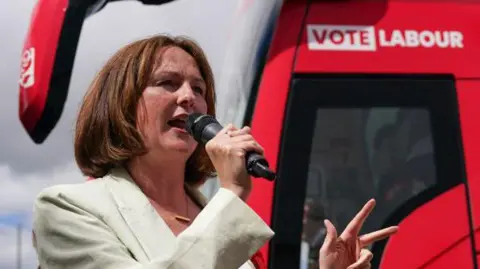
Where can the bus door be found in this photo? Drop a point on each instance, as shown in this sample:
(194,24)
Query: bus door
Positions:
(363,99)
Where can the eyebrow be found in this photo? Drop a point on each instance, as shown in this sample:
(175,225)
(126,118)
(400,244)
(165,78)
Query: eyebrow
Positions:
(177,74)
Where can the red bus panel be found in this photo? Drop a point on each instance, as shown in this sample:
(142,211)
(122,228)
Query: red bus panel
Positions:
(370,39)
(456,257)
(391,37)
(420,233)
(469,97)
(348,138)
(272,99)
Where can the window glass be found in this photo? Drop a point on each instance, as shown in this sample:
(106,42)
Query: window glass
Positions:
(360,153)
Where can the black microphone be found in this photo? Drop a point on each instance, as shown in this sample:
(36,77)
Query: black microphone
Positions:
(204,127)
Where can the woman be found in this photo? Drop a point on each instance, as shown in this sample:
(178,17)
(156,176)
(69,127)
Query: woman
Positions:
(143,209)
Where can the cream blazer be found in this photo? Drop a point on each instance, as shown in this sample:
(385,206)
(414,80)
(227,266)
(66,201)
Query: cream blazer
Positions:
(108,223)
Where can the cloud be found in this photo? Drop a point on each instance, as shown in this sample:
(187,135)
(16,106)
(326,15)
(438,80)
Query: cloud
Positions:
(17,194)
(102,34)
(11,245)
(14,218)
(19,190)
(26,168)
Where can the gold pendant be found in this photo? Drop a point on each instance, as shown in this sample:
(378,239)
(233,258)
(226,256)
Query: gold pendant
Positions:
(180,218)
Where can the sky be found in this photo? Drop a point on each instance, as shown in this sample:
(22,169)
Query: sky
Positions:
(25,167)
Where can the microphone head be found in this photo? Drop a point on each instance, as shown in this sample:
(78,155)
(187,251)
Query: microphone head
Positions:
(196,122)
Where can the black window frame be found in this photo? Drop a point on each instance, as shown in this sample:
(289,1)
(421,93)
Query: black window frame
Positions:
(308,92)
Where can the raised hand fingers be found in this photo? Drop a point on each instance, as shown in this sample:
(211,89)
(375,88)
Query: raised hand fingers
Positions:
(368,239)
(353,228)
(330,239)
(363,261)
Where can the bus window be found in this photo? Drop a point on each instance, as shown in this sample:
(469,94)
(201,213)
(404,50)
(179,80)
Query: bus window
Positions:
(348,139)
(385,153)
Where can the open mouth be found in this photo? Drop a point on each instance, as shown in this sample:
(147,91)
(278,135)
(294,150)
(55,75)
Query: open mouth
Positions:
(178,122)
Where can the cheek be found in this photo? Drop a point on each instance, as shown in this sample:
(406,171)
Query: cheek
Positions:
(201,106)
(153,110)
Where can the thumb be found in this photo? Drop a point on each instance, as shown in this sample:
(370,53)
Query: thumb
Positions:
(331,237)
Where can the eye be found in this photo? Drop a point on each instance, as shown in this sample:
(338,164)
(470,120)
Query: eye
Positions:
(167,84)
(198,90)
(164,82)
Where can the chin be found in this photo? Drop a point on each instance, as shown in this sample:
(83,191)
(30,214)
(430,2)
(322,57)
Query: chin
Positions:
(177,142)
(179,145)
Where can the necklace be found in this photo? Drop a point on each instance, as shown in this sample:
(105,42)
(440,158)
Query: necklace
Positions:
(182,218)
(175,216)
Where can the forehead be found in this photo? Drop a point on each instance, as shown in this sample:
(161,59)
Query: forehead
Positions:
(175,59)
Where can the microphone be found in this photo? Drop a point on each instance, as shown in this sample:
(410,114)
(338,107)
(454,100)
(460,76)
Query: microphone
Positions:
(204,127)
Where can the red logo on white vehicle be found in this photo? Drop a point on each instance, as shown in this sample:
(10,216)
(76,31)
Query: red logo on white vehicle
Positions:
(27,75)
(366,38)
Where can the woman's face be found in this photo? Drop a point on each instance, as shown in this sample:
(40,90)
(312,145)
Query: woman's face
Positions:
(176,90)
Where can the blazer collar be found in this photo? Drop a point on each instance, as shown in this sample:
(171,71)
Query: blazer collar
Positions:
(151,231)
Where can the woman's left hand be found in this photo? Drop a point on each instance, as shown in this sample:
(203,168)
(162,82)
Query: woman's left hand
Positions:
(348,251)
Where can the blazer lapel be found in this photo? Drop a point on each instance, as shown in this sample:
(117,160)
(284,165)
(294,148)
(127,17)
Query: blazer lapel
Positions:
(151,231)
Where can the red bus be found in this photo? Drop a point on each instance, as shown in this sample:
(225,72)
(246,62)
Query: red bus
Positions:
(351,99)
(361,99)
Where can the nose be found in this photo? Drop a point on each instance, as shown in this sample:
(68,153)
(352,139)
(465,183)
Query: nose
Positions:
(186,96)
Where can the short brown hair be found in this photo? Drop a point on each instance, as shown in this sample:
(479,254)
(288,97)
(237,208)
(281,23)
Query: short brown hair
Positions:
(106,134)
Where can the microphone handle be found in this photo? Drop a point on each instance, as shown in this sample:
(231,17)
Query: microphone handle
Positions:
(210,131)
(256,164)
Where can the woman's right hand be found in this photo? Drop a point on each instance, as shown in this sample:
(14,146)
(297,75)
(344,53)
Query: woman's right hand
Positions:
(349,250)
(227,152)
